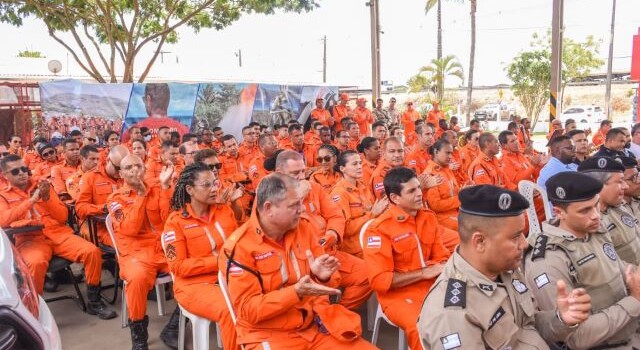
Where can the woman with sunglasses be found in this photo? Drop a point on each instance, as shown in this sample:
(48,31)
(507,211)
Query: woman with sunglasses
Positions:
(326,176)
(139,148)
(369,147)
(193,236)
(356,201)
(443,198)
(229,192)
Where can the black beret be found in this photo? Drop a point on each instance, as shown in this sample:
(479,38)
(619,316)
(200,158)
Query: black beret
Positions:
(44,147)
(601,164)
(489,200)
(570,186)
(628,162)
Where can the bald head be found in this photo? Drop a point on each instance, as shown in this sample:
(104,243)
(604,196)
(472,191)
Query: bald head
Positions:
(132,170)
(117,153)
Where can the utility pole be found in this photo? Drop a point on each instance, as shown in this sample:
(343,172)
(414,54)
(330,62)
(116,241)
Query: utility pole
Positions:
(324,59)
(556,59)
(375,49)
(239,55)
(607,95)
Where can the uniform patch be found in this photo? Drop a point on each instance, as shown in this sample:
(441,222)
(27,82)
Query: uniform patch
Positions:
(335,198)
(611,227)
(542,280)
(456,294)
(519,286)
(190,226)
(487,287)
(539,248)
(628,220)
(504,202)
(378,186)
(451,341)
(610,251)
(479,172)
(355,205)
(169,237)
(497,316)
(263,256)
(586,258)
(401,237)
(235,270)
(374,242)
(171,252)
(412,162)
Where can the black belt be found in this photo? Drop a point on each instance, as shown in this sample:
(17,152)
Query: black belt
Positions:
(610,346)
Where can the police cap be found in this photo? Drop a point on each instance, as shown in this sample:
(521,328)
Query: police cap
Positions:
(569,186)
(628,162)
(601,164)
(489,200)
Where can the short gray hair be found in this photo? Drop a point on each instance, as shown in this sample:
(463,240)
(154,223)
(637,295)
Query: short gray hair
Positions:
(273,188)
(601,176)
(285,156)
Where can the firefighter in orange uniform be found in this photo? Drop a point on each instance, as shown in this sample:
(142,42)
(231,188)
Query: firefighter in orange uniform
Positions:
(601,135)
(206,139)
(369,148)
(89,159)
(268,146)
(392,156)
(326,176)
(15,146)
(138,211)
(403,252)
(193,236)
(354,135)
(279,278)
(487,168)
(435,115)
(248,149)
(168,154)
(363,117)
(356,201)
(340,111)
(298,145)
(470,151)
(456,162)
(443,199)
(322,114)
(232,166)
(419,157)
(342,140)
(27,202)
(409,117)
(328,222)
(155,144)
(49,158)
(32,158)
(66,168)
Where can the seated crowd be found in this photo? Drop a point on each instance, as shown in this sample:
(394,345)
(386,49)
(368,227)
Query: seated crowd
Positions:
(304,226)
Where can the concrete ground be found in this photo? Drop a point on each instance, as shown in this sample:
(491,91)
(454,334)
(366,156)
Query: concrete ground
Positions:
(81,331)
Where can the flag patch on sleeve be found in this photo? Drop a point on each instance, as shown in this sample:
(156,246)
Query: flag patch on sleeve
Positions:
(374,242)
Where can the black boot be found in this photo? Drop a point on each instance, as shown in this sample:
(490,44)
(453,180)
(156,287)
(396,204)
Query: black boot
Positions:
(50,286)
(96,306)
(139,334)
(169,334)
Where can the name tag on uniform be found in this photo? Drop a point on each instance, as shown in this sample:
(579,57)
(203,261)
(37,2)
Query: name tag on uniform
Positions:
(451,341)
(586,258)
(497,316)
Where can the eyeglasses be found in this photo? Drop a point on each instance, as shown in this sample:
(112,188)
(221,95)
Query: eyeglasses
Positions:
(209,185)
(16,141)
(325,159)
(217,166)
(49,153)
(17,171)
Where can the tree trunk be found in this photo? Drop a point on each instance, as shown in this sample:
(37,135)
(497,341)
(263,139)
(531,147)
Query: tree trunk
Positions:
(472,55)
(439,30)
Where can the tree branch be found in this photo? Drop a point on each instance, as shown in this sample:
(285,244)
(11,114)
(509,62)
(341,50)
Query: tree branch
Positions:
(152,60)
(97,47)
(75,56)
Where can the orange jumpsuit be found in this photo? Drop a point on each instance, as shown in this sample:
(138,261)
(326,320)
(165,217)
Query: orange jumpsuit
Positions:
(355,202)
(312,139)
(323,214)
(408,120)
(323,116)
(32,159)
(154,148)
(461,174)
(59,175)
(191,249)
(377,178)
(43,170)
(95,188)
(325,179)
(308,153)
(391,246)
(489,171)
(247,152)
(261,274)
(468,154)
(364,118)
(518,167)
(153,169)
(72,184)
(367,169)
(257,170)
(339,112)
(56,238)
(138,222)
(434,117)
(523,137)
(443,199)
(418,159)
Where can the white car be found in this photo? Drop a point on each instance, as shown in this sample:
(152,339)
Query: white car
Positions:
(25,319)
(584,115)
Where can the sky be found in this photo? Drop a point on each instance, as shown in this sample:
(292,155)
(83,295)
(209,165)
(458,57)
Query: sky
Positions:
(287,47)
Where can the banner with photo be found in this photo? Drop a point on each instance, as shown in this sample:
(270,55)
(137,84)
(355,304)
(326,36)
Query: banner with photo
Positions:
(184,107)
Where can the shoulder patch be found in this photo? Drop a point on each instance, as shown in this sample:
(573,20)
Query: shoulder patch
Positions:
(627,220)
(541,280)
(456,294)
(520,287)
(497,316)
(610,251)
(335,198)
(374,242)
(539,248)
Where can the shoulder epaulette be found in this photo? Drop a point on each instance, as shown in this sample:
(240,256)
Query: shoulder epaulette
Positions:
(539,248)
(456,294)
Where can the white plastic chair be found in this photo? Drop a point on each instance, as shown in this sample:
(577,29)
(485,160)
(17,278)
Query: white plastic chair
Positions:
(199,325)
(372,304)
(225,293)
(159,285)
(528,189)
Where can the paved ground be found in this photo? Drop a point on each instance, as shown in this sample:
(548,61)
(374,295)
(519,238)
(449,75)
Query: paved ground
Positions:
(81,331)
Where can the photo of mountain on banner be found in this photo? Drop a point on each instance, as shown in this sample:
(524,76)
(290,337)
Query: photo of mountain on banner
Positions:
(154,105)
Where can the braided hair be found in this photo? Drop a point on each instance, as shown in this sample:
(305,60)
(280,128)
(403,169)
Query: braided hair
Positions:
(188,176)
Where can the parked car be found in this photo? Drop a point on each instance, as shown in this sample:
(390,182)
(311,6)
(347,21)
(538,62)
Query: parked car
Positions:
(584,114)
(495,112)
(25,319)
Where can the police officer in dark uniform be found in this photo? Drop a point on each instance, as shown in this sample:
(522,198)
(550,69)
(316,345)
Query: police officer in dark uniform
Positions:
(481,300)
(573,248)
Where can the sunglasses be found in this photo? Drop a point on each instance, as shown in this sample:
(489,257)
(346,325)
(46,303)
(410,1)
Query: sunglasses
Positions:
(49,153)
(15,141)
(217,166)
(17,171)
(4,154)
(325,159)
